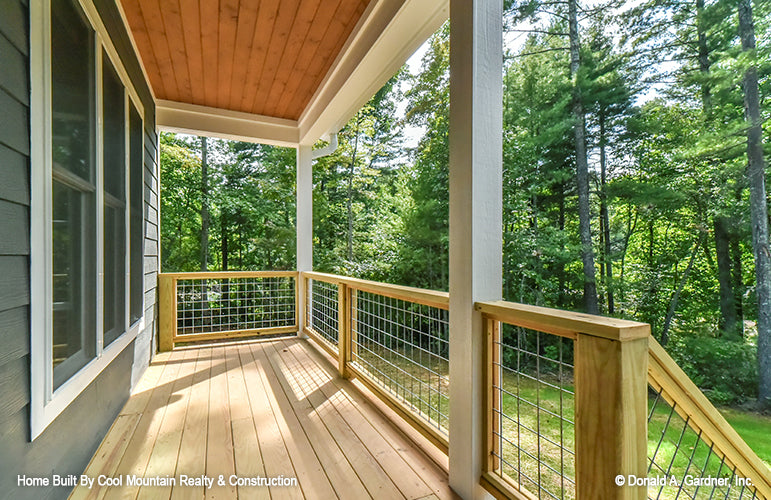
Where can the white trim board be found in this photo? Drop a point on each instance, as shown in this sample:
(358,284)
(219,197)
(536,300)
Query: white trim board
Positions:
(225,124)
(386,36)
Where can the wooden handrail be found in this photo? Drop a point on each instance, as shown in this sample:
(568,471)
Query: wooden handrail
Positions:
(563,323)
(693,406)
(433,298)
(229,274)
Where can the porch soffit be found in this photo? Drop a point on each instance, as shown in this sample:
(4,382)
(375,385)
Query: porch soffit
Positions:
(275,71)
(263,57)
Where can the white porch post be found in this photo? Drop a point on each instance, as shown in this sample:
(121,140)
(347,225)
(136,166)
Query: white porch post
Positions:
(475,222)
(304,223)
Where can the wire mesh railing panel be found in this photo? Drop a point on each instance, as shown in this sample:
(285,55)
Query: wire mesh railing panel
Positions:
(533,424)
(403,347)
(322,311)
(214,305)
(683,463)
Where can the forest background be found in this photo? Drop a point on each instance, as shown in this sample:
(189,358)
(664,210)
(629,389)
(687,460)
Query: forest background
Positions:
(630,165)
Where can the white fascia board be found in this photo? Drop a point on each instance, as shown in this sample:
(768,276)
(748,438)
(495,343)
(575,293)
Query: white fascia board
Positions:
(193,119)
(388,33)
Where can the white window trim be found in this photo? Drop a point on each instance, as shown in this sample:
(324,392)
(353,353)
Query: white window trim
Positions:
(45,403)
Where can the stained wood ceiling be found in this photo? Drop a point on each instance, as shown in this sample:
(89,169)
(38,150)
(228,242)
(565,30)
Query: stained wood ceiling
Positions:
(266,57)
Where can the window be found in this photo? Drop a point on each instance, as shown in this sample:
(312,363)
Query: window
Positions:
(114,215)
(87,205)
(73,197)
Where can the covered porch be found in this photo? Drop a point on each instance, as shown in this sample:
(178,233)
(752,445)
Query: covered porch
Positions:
(403,392)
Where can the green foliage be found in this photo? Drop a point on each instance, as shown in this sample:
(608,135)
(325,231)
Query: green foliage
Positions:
(666,141)
(726,371)
(251,200)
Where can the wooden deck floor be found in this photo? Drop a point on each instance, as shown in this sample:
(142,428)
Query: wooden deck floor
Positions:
(259,408)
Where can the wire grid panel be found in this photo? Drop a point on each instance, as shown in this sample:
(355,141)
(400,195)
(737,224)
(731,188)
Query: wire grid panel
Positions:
(533,424)
(213,305)
(322,310)
(404,348)
(683,463)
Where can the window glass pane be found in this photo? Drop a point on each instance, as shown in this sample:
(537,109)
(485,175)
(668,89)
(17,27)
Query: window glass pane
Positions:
(137,213)
(73,200)
(114,164)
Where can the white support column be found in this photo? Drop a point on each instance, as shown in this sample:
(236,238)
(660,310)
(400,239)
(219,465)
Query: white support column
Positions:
(304,223)
(476,152)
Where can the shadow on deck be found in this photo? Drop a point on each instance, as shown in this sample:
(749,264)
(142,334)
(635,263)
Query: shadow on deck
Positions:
(269,409)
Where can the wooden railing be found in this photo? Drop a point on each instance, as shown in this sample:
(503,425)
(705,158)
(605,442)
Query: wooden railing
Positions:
(205,306)
(575,400)
(566,403)
(572,400)
(394,339)
(691,425)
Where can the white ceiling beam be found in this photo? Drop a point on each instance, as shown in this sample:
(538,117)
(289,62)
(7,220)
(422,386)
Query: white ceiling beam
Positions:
(225,124)
(387,34)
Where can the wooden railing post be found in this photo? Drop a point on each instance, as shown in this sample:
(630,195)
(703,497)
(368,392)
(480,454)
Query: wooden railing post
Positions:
(492,361)
(167,312)
(610,411)
(353,328)
(298,305)
(343,330)
(307,290)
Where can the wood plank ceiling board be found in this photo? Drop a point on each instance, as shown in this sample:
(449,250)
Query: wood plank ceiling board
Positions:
(150,12)
(308,53)
(265,57)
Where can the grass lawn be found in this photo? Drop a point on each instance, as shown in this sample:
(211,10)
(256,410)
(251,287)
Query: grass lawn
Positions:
(754,428)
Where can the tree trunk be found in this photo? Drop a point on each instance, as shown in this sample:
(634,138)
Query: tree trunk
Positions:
(676,296)
(224,242)
(728,320)
(561,263)
(758,206)
(631,226)
(582,167)
(704,64)
(738,281)
(349,253)
(204,205)
(605,218)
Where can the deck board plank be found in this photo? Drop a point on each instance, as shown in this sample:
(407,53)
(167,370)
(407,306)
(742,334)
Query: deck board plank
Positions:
(391,459)
(424,466)
(134,461)
(260,408)
(163,459)
(341,474)
(246,446)
(369,470)
(268,420)
(220,459)
(109,454)
(310,473)
(192,448)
